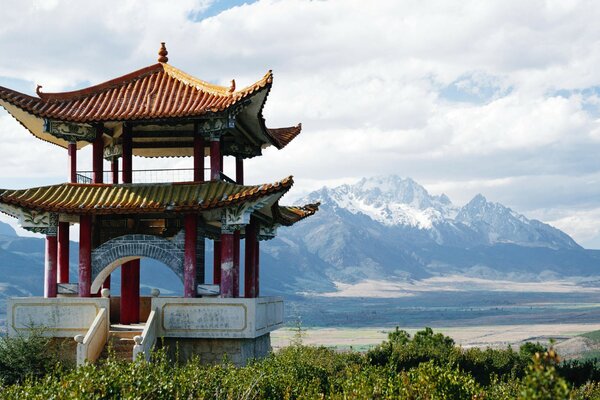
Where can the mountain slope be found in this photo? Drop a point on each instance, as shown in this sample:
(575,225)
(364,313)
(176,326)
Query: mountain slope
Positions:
(389,228)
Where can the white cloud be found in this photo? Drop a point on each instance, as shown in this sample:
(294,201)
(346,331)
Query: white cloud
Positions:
(369,80)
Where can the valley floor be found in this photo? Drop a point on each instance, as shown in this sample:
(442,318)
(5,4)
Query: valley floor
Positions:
(498,336)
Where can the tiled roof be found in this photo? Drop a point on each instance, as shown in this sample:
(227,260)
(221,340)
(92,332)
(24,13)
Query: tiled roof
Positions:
(289,215)
(157,91)
(282,136)
(139,198)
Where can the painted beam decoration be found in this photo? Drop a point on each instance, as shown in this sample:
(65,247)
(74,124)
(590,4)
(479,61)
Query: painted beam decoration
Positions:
(113,151)
(267,232)
(236,218)
(69,131)
(32,220)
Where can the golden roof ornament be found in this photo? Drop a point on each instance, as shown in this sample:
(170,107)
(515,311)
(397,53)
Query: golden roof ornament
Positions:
(162,53)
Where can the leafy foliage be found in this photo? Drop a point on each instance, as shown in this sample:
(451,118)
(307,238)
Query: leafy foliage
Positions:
(425,366)
(25,357)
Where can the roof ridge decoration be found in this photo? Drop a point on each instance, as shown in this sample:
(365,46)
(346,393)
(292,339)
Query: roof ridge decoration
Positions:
(162,53)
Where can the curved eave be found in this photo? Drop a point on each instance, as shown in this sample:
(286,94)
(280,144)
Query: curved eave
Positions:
(79,199)
(281,137)
(289,215)
(35,125)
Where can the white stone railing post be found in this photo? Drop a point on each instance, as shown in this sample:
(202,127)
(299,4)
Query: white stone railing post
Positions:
(91,345)
(144,343)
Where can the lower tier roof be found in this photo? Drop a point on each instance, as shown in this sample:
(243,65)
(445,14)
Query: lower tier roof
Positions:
(73,198)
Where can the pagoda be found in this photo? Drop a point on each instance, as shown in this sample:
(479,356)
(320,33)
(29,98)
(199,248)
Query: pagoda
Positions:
(126,214)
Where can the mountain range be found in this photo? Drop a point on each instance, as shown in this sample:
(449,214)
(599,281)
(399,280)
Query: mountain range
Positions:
(382,229)
(391,229)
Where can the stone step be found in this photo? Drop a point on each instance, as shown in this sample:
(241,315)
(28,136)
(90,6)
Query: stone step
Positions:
(123,334)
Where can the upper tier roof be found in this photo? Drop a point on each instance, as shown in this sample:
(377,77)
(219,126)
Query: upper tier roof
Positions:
(155,92)
(155,96)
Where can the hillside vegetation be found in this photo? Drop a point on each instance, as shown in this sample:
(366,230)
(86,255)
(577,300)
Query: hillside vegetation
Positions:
(425,366)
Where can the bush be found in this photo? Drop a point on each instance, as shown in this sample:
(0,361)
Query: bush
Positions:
(24,357)
(425,366)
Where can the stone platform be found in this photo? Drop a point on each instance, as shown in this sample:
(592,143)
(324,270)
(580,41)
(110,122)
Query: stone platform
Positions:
(211,328)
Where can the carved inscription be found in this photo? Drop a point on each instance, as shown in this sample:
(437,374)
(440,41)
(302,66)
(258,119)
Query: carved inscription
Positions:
(207,317)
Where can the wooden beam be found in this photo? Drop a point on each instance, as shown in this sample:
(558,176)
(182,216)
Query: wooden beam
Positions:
(163,133)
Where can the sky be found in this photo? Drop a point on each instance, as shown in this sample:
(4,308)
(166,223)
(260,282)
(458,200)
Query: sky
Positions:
(494,97)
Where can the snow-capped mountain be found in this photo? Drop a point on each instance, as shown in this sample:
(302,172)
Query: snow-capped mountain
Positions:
(398,202)
(391,201)
(391,228)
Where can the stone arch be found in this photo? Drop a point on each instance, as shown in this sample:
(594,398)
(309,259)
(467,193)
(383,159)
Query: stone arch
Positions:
(107,257)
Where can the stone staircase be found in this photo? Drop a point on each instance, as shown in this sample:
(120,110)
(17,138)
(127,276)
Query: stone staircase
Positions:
(120,342)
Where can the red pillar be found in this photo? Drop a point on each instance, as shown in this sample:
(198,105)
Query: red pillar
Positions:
(239,171)
(249,261)
(97,154)
(50,267)
(72,149)
(189,256)
(127,155)
(85,255)
(198,158)
(63,252)
(226,264)
(239,179)
(236,264)
(114,169)
(217,262)
(130,292)
(216,160)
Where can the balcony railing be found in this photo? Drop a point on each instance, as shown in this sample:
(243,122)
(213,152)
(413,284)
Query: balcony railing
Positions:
(152,176)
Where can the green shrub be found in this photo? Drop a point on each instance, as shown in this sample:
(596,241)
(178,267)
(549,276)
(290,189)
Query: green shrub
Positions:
(542,382)
(23,357)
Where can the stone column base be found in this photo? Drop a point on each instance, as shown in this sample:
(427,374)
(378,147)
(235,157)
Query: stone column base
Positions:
(215,351)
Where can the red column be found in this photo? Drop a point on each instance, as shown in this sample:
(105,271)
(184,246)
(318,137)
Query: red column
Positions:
(50,267)
(236,263)
(217,262)
(216,160)
(63,252)
(239,179)
(97,154)
(85,255)
(127,155)
(130,292)
(239,171)
(198,158)
(249,261)
(72,149)
(189,256)
(226,264)
(114,169)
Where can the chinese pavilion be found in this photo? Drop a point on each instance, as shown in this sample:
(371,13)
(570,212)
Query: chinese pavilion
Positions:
(157,111)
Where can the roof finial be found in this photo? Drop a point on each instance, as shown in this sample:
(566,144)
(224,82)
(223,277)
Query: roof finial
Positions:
(38,90)
(232,87)
(162,53)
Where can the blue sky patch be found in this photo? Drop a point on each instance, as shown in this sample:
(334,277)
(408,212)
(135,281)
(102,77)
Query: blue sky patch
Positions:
(216,8)
(476,88)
